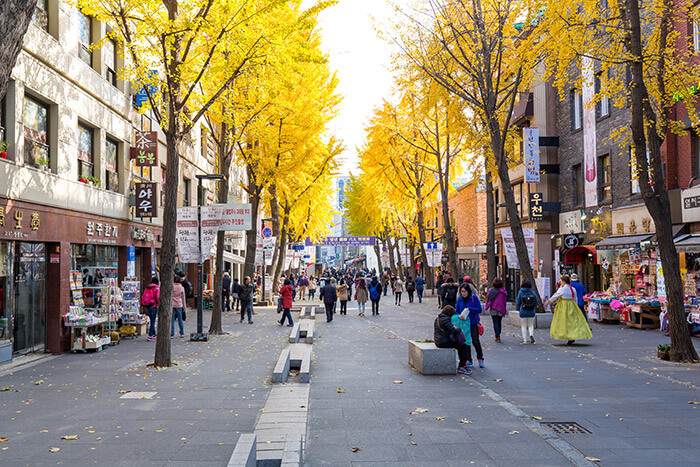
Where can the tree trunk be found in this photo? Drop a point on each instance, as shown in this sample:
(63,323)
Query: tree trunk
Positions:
(15,16)
(252,234)
(378,252)
(412,253)
(400,267)
(656,196)
(281,253)
(275,215)
(449,236)
(491,264)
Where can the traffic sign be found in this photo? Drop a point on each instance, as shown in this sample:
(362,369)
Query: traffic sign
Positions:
(267,232)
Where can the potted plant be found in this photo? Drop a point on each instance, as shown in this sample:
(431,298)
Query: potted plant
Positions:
(82,179)
(3,150)
(43,163)
(93,180)
(662,351)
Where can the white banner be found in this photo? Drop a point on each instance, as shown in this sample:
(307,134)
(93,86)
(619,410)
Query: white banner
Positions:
(269,249)
(531,154)
(433,253)
(211,219)
(259,251)
(543,287)
(187,239)
(236,217)
(509,246)
(589,137)
(288,257)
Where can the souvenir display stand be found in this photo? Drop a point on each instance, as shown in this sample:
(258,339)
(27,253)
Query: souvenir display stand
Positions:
(86,323)
(131,313)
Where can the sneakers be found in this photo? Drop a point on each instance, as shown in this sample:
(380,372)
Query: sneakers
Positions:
(481,363)
(182,335)
(469,364)
(241,321)
(464,370)
(532,339)
(151,338)
(498,339)
(250,322)
(290,325)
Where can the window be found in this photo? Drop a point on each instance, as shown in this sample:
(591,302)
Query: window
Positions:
(41,15)
(186,191)
(35,117)
(110,54)
(605,186)
(602,107)
(634,174)
(84,51)
(112,165)
(576,109)
(577,185)
(86,161)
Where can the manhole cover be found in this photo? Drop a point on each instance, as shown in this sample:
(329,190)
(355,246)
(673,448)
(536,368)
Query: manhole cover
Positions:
(567,428)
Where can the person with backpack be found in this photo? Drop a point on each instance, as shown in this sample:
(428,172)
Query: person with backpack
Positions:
(375,293)
(385,282)
(150,300)
(469,306)
(235,290)
(526,304)
(286,295)
(568,323)
(226,292)
(361,295)
(410,288)
(187,285)
(450,290)
(420,287)
(496,299)
(245,295)
(440,291)
(398,290)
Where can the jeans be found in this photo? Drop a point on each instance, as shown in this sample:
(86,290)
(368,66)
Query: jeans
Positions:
(386,287)
(462,350)
(152,315)
(286,314)
(410,296)
(397,301)
(177,315)
(246,307)
(375,307)
(420,295)
(225,301)
(527,328)
(235,302)
(476,342)
(329,311)
(497,324)
(312,293)
(361,307)
(343,307)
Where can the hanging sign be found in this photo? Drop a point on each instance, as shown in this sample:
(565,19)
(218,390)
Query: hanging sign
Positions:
(145,150)
(536,208)
(590,185)
(268,249)
(187,236)
(146,200)
(433,253)
(509,246)
(571,241)
(211,220)
(236,217)
(531,154)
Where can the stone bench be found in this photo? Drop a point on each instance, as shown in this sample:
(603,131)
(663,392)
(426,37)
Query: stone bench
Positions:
(303,314)
(306,331)
(295,333)
(244,454)
(300,357)
(542,320)
(281,371)
(427,359)
(293,455)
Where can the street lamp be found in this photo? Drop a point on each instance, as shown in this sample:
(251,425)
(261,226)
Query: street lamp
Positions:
(200,335)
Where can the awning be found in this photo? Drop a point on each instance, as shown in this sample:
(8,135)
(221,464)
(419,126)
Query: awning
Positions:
(232,258)
(679,230)
(622,242)
(688,244)
(578,254)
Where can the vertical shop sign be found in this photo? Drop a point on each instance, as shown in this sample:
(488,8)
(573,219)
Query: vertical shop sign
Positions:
(531,153)
(187,238)
(146,200)
(145,150)
(211,220)
(589,137)
(536,207)
(130,261)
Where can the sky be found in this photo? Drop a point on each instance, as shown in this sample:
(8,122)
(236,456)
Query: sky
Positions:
(362,61)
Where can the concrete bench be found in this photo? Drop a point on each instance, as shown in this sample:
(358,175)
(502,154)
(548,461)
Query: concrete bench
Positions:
(244,454)
(427,359)
(295,334)
(300,357)
(303,313)
(281,371)
(312,313)
(307,331)
(293,451)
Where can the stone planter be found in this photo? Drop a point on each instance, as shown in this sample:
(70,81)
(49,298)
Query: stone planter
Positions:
(542,320)
(427,359)
(662,355)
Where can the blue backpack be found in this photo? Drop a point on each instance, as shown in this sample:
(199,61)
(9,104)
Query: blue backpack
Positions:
(374,293)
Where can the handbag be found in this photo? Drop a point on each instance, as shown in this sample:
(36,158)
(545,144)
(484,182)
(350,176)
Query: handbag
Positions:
(458,339)
(184,314)
(279,305)
(481,329)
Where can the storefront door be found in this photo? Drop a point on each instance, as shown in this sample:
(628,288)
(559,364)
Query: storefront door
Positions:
(30,298)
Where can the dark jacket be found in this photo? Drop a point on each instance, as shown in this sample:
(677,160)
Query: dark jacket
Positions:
(450,293)
(410,285)
(236,287)
(226,284)
(518,303)
(442,336)
(328,293)
(246,292)
(420,283)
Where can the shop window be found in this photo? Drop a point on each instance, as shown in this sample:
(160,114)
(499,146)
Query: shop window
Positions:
(186,191)
(577,184)
(110,57)
(575,109)
(86,160)
(85,25)
(112,165)
(35,117)
(602,107)
(605,175)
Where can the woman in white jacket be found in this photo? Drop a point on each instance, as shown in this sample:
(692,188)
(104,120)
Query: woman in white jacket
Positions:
(568,323)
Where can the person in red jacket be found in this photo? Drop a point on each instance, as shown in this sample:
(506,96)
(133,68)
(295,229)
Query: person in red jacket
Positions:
(286,293)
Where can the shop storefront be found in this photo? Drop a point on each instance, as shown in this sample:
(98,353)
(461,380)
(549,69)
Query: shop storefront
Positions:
(39,247)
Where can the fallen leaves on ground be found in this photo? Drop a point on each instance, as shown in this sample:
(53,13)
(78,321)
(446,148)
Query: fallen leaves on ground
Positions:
(413,443)
(340,391)
(464,420)
(498,380)
(54,449)
(534,417)
(355,449)
(69,437)
(440,418)
(5,389)
(39,383)
(514,432)
(398,382)
(592,459)
(124,391)
(3,439)
(418,410)
(694,402)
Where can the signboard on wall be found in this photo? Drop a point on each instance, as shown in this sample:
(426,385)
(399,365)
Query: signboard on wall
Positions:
(146,200)
(145,149)
(531,154)
(536,207)
(589,137)
(509,246)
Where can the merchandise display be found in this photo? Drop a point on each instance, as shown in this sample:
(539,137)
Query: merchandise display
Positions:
(84,322)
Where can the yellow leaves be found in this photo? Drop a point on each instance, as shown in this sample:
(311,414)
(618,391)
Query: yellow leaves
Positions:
(418,410)
(592,459)
(464,420)
(54,449)
(398,382)
(3,439)
(514,432)
(340,391)
(441,419)
(354,449)
(69,437)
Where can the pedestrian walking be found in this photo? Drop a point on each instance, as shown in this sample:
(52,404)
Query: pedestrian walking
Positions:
(286,294)
(235,290)
(226,292)
(303,284)
(420,287)
(329,296)
(526,304)
(398,290)
(440,291)
(496,299)
(312,287)
(245,295)
(343,297)
(385,282)
(567,323)
(150,300)
(447,336)
(468,280)
(468,305)
(580,292)
(361,295)
(375,293)
(410,288)
(179,300)
(450,291)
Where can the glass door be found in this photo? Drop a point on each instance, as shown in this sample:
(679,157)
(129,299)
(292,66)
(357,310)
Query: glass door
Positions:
(30,298)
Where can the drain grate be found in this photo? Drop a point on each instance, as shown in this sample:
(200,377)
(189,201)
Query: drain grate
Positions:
(566,428)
